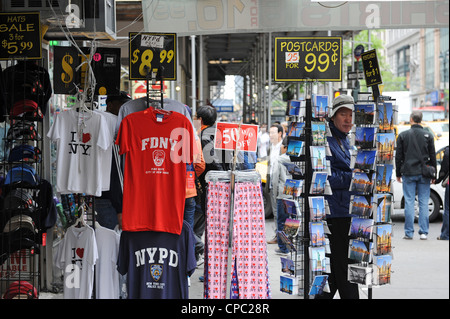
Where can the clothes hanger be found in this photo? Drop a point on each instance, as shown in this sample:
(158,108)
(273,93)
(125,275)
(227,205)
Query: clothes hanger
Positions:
(80,222)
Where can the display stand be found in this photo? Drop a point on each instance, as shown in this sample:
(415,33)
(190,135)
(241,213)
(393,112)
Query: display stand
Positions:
(22,230)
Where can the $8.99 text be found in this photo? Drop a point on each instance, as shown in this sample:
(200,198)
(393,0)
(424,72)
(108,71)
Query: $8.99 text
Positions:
(147,57)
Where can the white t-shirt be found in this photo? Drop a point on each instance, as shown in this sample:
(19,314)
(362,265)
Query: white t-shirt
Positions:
(78,257)
(81,138)
(106,274)
(111,120)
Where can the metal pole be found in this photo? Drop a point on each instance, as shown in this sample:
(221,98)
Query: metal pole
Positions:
(193,76)
(269,72)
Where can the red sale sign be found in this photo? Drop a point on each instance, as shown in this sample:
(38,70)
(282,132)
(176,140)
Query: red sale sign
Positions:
(232,136)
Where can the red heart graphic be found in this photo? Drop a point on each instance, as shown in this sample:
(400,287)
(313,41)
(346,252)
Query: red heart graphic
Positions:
(80,252)
(86,137)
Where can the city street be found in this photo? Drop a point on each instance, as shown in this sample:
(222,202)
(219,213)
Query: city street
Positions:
(420,268)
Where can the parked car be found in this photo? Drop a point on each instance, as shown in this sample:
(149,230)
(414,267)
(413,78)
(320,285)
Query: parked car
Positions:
(437,192)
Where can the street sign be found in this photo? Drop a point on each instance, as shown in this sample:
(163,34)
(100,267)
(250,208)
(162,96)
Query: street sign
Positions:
(152,52)
(372,71)
(355,75)
(232,136)
(308,58)
(20,36)
(358,51)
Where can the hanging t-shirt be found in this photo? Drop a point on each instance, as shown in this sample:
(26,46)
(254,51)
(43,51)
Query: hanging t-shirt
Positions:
(140,104)
(81,138)
(111,121)
(106,274)
(78,257)
(157,144)
(157,264)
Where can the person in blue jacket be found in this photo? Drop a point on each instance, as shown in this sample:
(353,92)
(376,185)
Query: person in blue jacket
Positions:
(340,123)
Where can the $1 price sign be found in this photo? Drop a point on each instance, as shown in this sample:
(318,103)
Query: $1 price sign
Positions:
(151,51)
(20,36)
(231,136)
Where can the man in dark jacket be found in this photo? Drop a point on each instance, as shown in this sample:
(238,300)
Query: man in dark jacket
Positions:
(340,124)
(408,168)
(443,176)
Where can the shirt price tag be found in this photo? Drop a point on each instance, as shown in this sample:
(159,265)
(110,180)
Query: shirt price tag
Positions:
(152,41)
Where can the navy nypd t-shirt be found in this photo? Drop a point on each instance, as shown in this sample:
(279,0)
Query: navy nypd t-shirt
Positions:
(157,264)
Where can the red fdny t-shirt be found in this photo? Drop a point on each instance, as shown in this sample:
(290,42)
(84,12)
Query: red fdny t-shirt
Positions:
(157,144)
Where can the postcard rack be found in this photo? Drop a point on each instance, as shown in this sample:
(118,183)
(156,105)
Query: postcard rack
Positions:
(304,232)
(372,203)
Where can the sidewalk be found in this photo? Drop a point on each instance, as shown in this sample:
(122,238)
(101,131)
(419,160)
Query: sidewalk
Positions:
(420,268)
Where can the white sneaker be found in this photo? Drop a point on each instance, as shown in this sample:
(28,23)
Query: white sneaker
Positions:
(423,236)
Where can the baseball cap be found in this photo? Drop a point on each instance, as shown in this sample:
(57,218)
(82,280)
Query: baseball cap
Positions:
(25,107)
(21,173)
(19,221)
(24,152)
(21,289)
(342,101)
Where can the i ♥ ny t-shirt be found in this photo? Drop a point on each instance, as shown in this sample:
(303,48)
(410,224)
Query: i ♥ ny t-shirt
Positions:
(157,144)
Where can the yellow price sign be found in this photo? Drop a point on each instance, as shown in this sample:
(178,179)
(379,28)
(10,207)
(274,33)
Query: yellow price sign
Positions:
(308,58)
(152,53)
(20,36)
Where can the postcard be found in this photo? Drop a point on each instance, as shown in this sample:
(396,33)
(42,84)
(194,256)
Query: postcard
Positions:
(319,131)
(360,251)
(383,243)
(287,266)
(295,148)
(384,177)
(318,285)
(364,113)
(359,274)
(385,118)
(385,147)
(317,259)
(295,129)
(316,208)
(361,205)
(365,160)
(291,227)
(320,106)
(318,157)
(293,187)
(363,182)
(317,234)
(365,137)
(382,269)
(297,107)
(383,203)
(361,228)
(291,207)
(294,169)
(288,285)
(320,184)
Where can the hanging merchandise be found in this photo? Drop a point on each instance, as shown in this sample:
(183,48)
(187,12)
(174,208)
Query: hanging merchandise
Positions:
(157,144)
(78,257)
(157,264)
(244,273)
(82,140)
(106,274)
(27,89)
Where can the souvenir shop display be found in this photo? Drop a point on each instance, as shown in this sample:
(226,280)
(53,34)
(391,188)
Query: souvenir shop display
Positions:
(28,210)
(305,230)
(372,203)
(236,265)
